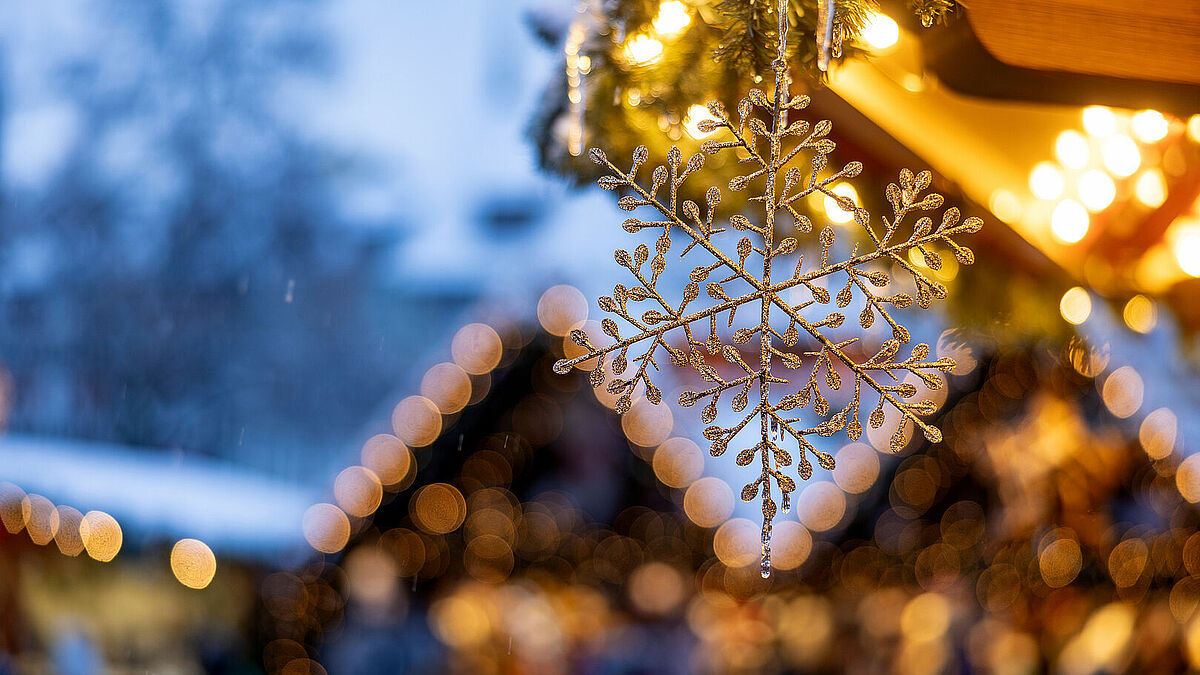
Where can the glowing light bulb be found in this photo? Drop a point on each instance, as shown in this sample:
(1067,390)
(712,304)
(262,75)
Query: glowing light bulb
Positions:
(1069,221)
(673,17)
(643,50)
(881,31)
(1046,181)
(1099,121)
(1096,190)
(1193,128)
(1149,126)
(1151,188)
(1121,155)
(691,121)
(833,210)
(1071,148)
(1075,306)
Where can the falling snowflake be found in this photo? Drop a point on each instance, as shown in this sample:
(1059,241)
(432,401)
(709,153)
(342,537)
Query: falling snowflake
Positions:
(772,148)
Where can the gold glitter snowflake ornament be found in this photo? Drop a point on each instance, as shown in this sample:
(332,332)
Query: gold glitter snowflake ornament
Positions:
(726,283)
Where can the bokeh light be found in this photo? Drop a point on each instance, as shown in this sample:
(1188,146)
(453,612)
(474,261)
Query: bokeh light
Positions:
(477,348)
(1046,181)
(1122,392)
(326,528)
(41,518)
(820,506)
(656,588)
(438,508)
(1069,221)
(1121,155)
(1071,148)
(416,421)
(834,210)
(1099,121)
(880,32)
(562,309)
(447,386)
(1149,126)
(388,457)
(1075,305)
(673,17)
(358,491)
(708,502)
(678,462)
(643,50)
(1096,190)
(1157,433)
(101,535)
(68,539)
(1151,187)
(193,563)
(1140,314)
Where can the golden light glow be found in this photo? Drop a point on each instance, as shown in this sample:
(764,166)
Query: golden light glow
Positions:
(1059,560)
(737,543)
(856,468)
(1069,222)
(1127,562)
(459,622)
(1149,126)
(833,210)
(41,518)
(1006,205)
(448,386)
(10,507)
(69,542)
(101,535)
(1157,433)
(1099,121)
(562,309)
(708,502)
(791,544)
(1046,181)
(1193,128)
(326,528)
(416,421)
(647,424)
(820,506)
(678,462)
(925,617)
(673,17)
(388,457)
(643,50)
(193,563)
(477,348)
(1123,392)
(656,588)
(438,508)
(1151,188)
(1096,190)
(881,32)
(1121,155)
(1187,478)
(1140,314)
(1071,148)
(691,122)
(358,491)
(1187,247)
(1075,305)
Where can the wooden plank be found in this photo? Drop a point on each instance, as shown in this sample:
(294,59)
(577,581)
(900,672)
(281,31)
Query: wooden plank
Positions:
(1116,38)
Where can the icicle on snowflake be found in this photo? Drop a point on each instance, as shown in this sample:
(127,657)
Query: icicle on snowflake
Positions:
(772,149)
